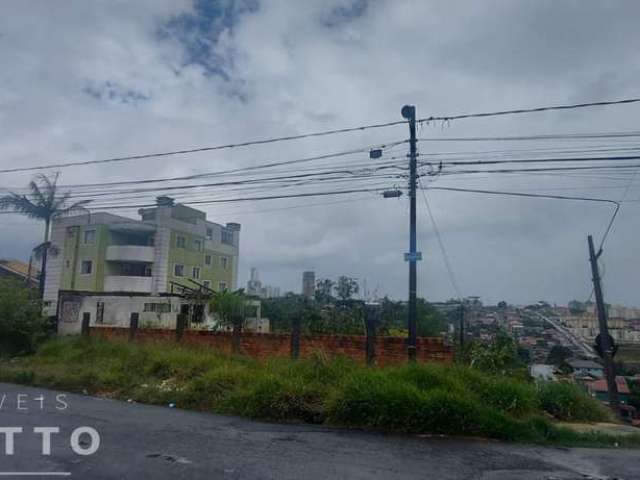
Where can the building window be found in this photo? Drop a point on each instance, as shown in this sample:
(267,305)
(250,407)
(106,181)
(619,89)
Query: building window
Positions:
(178,270)
(196,272)
(227,236)
(67,263)
(181,242)
(197,245)
(71,232)
(86,267)
(206,284)
(157,307)
(207,260)
(210,233)
(89,237)
(152,241)
(224,261)
(222,286)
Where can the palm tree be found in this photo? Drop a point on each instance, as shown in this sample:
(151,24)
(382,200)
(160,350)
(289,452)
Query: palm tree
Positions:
(230,307)
(42,203)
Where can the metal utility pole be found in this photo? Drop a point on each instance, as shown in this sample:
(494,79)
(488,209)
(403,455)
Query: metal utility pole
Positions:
(605,338)
(409,112)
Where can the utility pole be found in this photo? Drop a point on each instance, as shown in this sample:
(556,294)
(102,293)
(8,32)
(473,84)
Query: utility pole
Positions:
(409,112)
(605,339)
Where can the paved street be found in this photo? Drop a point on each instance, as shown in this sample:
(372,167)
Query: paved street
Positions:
(139,441)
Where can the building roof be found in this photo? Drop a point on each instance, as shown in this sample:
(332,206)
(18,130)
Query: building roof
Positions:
(601,385)
(578,363)
(19,268)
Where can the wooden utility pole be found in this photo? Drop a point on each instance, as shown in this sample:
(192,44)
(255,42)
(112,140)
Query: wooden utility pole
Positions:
(605,338)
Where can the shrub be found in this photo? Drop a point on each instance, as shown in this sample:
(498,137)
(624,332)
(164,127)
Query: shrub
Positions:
(566,401)
(510,396)
(373,399)
(423,398)
(274,398)
(22,325)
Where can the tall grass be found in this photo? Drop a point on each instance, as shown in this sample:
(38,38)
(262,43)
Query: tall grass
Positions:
(431,398)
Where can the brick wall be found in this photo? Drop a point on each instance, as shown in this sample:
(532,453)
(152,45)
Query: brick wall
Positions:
(389,350)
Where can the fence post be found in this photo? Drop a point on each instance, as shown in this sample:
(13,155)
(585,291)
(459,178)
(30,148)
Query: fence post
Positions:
(133,325)
(180,323)
(295,337)
(372,312)
(86,318)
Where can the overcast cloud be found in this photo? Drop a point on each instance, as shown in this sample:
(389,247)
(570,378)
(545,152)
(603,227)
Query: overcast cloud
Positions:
(87,80)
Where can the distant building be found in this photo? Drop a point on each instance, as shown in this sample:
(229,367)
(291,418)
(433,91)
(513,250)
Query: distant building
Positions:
(600,390)
(20,271)
(623,323)
(586,368)
(309,284)
(543,372)
(256,289)
(254,286)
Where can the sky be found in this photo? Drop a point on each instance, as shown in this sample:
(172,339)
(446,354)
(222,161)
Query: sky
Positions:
(91,80)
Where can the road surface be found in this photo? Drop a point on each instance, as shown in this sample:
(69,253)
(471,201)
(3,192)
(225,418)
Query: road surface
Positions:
(140,441)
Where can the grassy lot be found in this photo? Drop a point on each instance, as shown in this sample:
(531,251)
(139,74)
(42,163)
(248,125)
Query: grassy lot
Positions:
(433,398)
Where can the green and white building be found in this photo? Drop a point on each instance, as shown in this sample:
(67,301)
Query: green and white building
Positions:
(126,265)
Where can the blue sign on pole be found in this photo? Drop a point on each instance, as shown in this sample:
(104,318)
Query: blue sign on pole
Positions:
(409,257)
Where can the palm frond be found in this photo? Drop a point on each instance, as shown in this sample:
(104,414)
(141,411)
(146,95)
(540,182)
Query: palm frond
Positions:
(20,204)
(38,197)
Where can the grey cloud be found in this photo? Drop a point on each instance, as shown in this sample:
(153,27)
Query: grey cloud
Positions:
(287,72)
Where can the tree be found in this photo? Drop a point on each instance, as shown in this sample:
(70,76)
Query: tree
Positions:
(324,287)
(576,307)
(21,321)
(231,309)
(500,356)
(559,354)
(430,322)
(42,203)
(346,287)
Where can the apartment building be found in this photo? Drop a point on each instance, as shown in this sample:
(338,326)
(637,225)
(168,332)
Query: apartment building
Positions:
(111,256)
(585,325)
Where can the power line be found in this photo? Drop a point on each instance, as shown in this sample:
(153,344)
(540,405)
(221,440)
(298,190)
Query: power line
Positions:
(563,136)
(542,169)
(317,177)
(556,197)
(248,199)
(443,250)
(528,110)
(522,194)
(199,149)
(536,160)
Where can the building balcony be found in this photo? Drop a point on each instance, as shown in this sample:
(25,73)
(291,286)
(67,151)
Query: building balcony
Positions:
(130,253)
(121,283)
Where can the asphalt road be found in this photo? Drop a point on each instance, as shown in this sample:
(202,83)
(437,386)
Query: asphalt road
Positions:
(140,442)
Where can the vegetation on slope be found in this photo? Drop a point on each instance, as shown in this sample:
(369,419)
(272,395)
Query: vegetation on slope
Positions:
(434,398)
